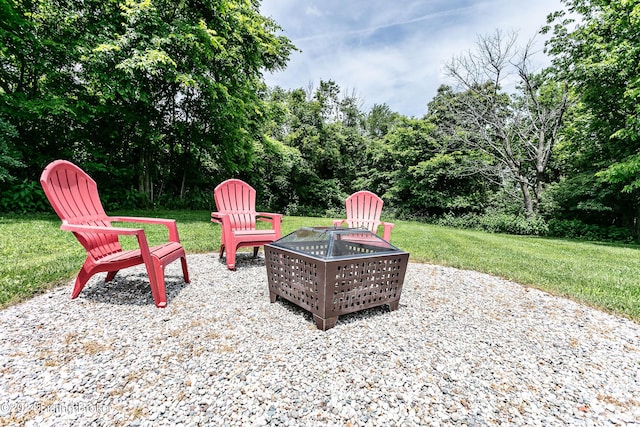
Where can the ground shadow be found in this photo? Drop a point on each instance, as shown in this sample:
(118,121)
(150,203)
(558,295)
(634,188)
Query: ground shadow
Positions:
(344,319)
(244,259)
(130,289)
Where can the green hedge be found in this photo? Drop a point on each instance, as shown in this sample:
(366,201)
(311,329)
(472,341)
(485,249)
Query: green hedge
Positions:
(576,229)
(498,223)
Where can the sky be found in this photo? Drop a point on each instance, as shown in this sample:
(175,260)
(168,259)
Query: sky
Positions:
(393,52)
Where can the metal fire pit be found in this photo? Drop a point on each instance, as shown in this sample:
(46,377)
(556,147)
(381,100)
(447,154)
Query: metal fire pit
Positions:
(334,271)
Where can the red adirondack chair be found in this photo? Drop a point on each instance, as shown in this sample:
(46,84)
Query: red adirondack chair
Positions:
(363,211)
(74,196)
(236,204)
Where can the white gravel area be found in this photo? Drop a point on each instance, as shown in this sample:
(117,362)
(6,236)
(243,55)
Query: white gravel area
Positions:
(463,349)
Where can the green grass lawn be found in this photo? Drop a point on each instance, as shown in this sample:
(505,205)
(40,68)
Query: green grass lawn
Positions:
(35,255)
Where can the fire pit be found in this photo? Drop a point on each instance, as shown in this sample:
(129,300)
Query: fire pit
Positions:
(334,271)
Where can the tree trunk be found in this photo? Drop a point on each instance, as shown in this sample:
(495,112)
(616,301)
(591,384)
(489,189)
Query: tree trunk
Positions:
(145,183)
(183,183)
(526,198)
(538,190)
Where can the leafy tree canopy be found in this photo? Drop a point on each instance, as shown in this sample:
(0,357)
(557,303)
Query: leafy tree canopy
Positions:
(596,47)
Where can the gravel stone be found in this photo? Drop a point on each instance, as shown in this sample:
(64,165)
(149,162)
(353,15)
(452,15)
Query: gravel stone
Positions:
(464,348)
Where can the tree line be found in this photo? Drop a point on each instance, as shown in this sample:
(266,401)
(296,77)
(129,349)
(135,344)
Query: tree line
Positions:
(159,101)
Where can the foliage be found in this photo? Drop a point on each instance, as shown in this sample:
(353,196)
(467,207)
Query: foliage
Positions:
(595,47)
(498,223)
(166,91)
(314,148)
(576,229)
(24,197)
(8,157)
(159,101)
(599,54)
(583,198)
(380,120)
(419,173)
(275,165)
(38,42)
(195,198)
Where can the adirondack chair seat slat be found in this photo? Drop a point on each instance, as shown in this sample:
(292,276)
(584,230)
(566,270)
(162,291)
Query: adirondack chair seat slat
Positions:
(161,251)
(255,232)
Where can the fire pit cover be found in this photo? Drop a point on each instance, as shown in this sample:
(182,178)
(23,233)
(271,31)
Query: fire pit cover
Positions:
(335,243)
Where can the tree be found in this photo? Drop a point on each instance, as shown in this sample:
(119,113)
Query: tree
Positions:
(417,173)
(596,47)
(8,158)
(187,78)
(151,92)
(324,126)
(37,89)
(600,56)
(514,133)
(379,120)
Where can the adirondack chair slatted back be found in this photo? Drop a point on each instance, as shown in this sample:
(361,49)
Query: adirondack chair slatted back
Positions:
(237,199)
(74,196)
(363,210)
(236,204)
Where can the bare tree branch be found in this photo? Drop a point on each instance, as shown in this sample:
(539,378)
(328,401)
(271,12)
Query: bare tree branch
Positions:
(517,131)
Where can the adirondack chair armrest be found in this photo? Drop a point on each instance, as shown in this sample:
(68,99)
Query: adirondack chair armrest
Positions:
(224,221)
(269,217)
(138,232)
(101,230)
(386,231)
(218,217)
(169,223)
(274,218)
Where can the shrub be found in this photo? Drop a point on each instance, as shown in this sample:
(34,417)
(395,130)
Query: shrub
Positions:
(195,199)
(498,223)
(123,198)
(514,224)
(576,229)
(24,197)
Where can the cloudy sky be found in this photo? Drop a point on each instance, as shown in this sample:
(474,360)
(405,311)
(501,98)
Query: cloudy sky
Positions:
(392,52)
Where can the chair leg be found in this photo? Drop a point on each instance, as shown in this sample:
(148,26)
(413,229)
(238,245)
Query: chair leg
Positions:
(231,258)
(221,250)
(111,275)
(156,280)
(255,251)
(185,271)
(83,277)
